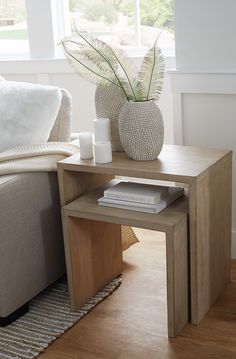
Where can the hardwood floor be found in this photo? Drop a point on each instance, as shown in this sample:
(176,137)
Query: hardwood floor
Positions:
(132,323)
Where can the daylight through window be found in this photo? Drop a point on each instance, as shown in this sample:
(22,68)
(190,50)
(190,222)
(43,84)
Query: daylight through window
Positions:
(128,23)
(13,27)
(132,24)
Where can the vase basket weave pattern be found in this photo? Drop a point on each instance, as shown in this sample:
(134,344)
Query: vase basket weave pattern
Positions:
(109,102)
(141,130)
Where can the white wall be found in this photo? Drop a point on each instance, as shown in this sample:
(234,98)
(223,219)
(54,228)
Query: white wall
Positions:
(205,34)
(204,83)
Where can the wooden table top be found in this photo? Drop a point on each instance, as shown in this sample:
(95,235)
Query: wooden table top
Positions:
(175,163)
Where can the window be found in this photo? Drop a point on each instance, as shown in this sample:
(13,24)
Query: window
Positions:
(133,24)
(13,27)
(128,23)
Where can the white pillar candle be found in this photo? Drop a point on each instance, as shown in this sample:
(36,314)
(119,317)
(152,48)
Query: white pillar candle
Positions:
(86,145)
(102,152)
(102,130)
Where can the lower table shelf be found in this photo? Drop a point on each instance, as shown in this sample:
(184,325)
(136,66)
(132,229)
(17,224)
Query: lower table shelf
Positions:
(86,207)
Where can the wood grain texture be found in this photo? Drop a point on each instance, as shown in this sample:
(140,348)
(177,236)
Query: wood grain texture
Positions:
(94,253)
(177,274)
(86,207)
(95,257)
(132,322)
(207,173)
(175,163)
(210,233)
(74,184)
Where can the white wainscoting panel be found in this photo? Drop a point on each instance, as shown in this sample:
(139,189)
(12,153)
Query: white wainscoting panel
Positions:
(204,109)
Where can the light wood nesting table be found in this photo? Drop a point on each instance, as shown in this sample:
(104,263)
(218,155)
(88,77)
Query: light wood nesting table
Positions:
(92,233)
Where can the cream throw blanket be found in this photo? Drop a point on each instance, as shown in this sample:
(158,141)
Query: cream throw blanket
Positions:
(35,158)
(44,157)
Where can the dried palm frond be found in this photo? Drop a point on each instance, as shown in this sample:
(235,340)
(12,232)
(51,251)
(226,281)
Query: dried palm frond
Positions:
(126,71)
(151,74)
(116,58)
(102,64)
(89,70)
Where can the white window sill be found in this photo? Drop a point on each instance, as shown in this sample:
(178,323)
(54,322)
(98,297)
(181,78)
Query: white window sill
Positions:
(40,66)
(131,51)
(27,65)
(23,63)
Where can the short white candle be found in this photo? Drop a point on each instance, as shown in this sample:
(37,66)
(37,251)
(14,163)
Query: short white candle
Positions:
(102,152)
(86,145)
(102,130)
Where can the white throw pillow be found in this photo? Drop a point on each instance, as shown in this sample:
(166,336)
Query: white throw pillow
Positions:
(27,113)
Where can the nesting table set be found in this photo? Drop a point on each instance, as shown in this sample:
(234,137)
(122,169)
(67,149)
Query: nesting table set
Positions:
(197,226)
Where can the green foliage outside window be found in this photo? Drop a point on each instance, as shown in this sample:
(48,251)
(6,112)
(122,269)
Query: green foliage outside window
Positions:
(155,13)
(95,10)
(73,5)
(101,10)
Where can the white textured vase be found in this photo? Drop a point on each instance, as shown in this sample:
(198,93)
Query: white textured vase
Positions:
(141,130)
(109,101)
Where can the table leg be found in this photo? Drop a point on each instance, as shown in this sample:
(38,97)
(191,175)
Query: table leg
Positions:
(177,268)
(210,236)
(93,257)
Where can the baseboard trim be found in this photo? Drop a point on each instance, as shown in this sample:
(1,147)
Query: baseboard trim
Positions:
(4,321)
(233,246)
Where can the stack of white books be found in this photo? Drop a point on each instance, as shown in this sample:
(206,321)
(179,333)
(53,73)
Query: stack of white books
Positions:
(140,197)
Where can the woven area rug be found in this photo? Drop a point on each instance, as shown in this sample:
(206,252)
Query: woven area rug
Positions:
(48,318)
